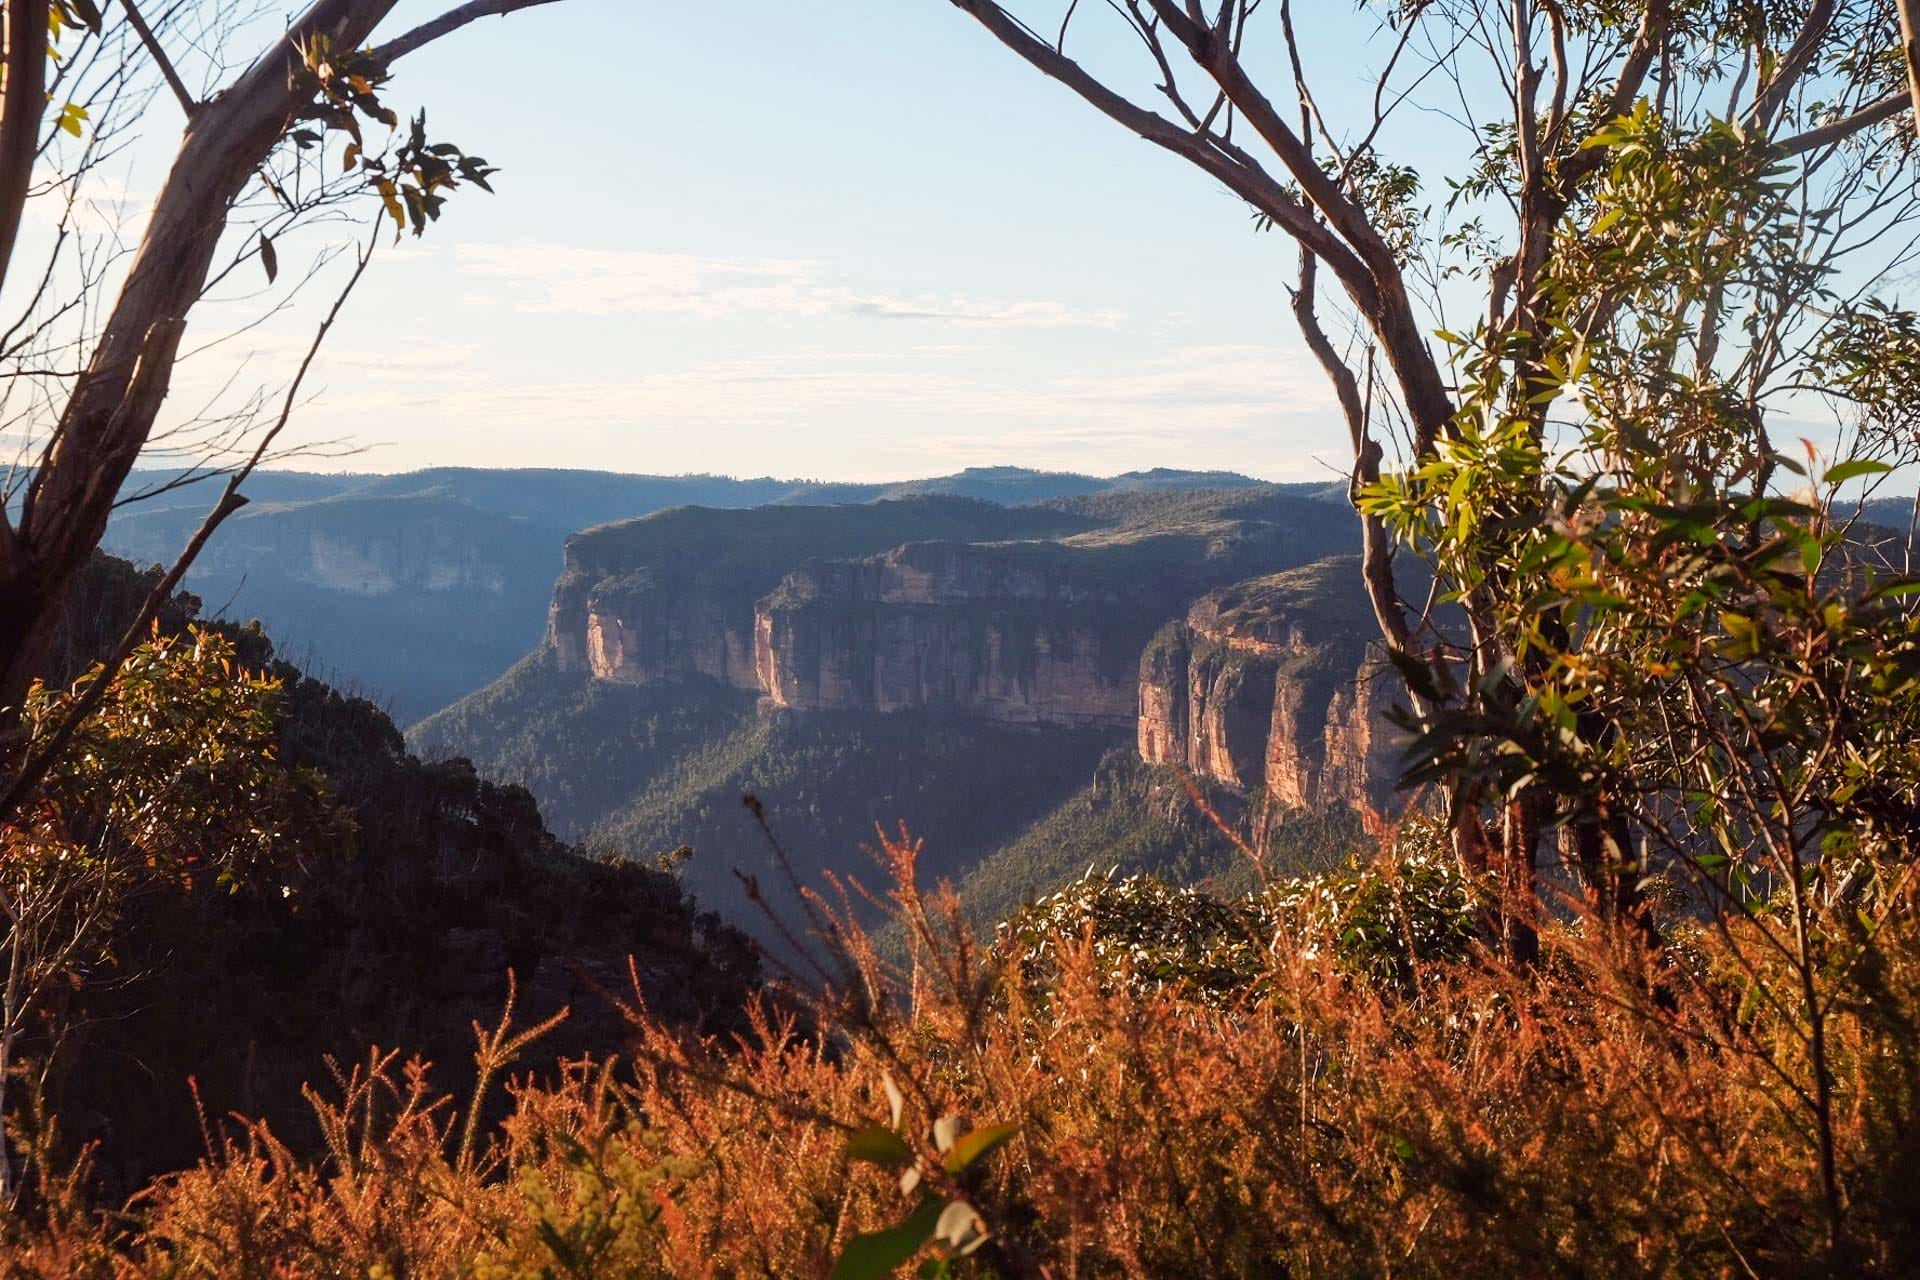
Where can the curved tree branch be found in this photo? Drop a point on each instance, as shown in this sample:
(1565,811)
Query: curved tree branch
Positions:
(1839,130)
(1228,163)
(1648,40)
(1389,309)
(1346,241)
(450,21)
(1794,65)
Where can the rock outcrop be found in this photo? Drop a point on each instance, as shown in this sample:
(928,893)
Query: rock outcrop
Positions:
(651,627)
(672,595)
(1022,616)
(1271,684)
(358,548)
(1021,634)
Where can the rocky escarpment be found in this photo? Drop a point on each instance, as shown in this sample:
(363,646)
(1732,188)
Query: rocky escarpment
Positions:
(1024,616)
(647,627)
(1273,683)
(362,548)
(1021,634)
(673,595)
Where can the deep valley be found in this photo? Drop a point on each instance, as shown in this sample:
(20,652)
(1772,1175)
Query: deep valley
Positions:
(1011,683)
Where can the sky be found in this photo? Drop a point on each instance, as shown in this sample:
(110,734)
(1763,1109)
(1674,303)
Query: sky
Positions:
(849,239)
(846,239)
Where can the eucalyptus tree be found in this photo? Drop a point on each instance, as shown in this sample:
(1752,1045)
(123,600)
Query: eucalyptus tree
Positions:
(1618,320)
(295,130)
(1659,230)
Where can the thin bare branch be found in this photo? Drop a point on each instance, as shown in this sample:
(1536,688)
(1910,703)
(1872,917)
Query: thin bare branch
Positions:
(34,768)
(158,52)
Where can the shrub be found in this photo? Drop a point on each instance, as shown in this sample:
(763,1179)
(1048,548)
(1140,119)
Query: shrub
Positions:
(1604,1113)
(1380,920)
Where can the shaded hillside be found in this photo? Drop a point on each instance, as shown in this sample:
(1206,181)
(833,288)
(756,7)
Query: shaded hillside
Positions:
(828,781)
(420,588)
(407,600)
(399,930)
(1135,818)
(586,747)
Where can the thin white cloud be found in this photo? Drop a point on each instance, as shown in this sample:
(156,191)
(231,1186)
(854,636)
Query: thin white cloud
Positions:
(557,279)
(1238,381)
(415,360)
(104,205)
(1216,401)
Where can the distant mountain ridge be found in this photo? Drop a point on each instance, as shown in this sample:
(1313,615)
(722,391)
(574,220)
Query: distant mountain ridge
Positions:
(418,588)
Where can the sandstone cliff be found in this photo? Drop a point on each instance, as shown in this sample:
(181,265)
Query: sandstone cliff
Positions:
(363,548)
(649,627)
(1021,634)
(1026,616)
(1274,683)
(672,595)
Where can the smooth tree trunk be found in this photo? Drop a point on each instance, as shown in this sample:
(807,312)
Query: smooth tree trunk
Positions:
(117,399)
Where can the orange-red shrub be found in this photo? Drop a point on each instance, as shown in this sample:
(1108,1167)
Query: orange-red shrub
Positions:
(1608,1112)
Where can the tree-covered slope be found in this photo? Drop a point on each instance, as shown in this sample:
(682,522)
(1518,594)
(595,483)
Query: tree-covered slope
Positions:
(586,747)
(828,782)
(1132,817)
(396,923)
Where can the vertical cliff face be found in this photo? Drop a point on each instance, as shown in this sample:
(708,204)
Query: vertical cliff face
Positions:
(1363,748)
(673,594)
(1019,616)
(1162,726)
(646,628)
(1012,634)
(1230,691)
(422,547)
(1271,683)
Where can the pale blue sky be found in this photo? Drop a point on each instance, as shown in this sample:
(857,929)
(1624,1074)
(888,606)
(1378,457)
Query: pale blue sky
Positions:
(849,239)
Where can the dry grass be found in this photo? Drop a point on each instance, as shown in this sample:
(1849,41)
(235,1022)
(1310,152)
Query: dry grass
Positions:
(1609,1113)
